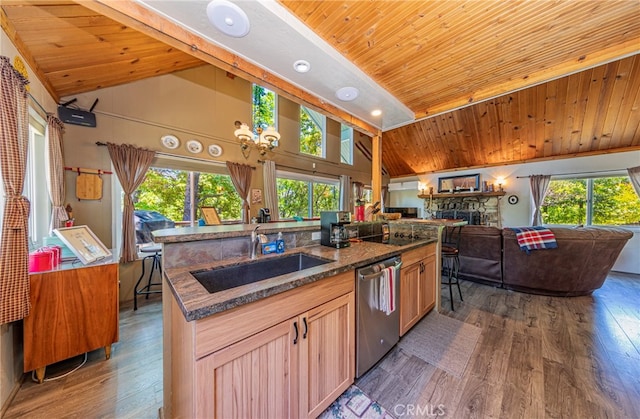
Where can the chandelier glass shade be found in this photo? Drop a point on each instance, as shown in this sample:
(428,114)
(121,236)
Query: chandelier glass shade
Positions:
(265,140)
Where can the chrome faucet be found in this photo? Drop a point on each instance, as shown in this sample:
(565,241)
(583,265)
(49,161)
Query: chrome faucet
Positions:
(255,241)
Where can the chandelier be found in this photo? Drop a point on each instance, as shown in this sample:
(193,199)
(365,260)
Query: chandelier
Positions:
(265,140)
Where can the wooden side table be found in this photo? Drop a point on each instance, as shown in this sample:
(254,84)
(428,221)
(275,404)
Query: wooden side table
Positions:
(73,310)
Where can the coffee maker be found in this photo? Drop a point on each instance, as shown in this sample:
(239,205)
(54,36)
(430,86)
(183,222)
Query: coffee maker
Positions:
(264,215)
(333,231)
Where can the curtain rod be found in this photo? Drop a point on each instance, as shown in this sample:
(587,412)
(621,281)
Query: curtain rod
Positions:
(577,173)
(199,159)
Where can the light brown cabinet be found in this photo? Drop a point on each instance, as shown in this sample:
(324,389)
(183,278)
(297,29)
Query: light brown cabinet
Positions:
(295,367)
(417,285)
(73,311)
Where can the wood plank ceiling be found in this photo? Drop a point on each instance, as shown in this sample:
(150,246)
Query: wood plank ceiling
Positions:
(475,73)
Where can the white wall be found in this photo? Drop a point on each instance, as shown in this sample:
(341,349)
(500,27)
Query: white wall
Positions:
(520,213)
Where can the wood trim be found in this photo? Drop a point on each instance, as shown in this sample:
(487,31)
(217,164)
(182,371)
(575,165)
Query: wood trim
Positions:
(141,19)
(376,167)
(178,359)
(460,195)
(223,329)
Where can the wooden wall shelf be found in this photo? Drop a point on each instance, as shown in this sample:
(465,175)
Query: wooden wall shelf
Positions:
(462,195)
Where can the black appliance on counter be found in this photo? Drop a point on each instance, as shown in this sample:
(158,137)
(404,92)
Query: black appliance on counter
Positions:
(333,231)
(264,215)
(407,212)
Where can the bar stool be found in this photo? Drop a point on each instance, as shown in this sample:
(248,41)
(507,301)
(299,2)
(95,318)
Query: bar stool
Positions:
(450,258)
(155,263)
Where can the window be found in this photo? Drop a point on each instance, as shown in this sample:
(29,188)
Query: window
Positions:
(312,132)
(305,196)
(264,109)
(35,184)
(169,192)
(591,201)
(346,144)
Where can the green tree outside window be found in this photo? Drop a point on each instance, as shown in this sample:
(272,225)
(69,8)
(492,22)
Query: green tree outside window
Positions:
(613,202)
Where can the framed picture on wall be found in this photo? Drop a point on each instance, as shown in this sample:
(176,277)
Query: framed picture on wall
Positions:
(83,243)
(256,196)
(468,183)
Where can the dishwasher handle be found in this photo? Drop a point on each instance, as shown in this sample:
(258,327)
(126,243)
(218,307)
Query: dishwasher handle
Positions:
(376,275)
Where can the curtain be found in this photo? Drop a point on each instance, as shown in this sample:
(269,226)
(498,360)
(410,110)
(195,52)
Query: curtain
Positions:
(634,175)
(130,164)
(14,141)
(55,172)
(384,197)
(270,188)
(345,193)
(358,190)
(241,178)
(539,186)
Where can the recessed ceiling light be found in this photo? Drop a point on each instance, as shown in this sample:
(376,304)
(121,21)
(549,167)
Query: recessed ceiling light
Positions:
(228,18)
(347,93)
(376,112)
(302,66)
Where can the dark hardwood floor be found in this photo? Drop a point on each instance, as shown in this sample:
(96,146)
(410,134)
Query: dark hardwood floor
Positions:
(537,357)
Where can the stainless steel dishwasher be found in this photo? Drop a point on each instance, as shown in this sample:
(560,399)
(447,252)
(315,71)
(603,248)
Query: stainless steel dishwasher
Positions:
(377,332)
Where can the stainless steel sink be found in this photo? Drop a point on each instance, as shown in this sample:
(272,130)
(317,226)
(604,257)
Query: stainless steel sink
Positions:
(219,279)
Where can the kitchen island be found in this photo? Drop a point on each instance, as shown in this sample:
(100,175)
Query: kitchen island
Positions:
(286,343)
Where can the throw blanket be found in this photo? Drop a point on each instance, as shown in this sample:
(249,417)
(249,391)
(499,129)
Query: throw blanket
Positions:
(387,302)
(532,238)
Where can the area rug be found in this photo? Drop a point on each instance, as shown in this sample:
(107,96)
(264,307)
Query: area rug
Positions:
(354,404)
(443,342)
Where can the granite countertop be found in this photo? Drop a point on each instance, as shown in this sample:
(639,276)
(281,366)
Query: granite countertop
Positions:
(434,221)
(197,303)
(187,234)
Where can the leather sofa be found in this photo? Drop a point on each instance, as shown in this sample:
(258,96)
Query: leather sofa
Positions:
(579,265)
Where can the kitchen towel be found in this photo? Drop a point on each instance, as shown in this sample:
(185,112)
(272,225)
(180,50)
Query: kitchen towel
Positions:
(388,290)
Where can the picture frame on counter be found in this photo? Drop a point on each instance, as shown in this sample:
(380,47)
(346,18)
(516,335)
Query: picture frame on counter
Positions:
(210,216)
(452,184)
(83,243)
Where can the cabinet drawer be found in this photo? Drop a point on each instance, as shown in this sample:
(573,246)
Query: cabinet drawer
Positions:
(415,255)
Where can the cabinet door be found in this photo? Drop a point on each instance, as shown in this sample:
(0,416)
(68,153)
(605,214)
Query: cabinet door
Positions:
(73,311)
(409,296)
(252,378)
(327,354)
(428,285)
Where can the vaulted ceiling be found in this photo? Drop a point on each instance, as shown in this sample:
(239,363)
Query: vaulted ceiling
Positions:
(461,83)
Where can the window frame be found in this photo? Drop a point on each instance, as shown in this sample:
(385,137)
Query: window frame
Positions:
(36,182)
(311,180)
(349,146)
(589,180)
(275,118)
(323,130)
(165,161)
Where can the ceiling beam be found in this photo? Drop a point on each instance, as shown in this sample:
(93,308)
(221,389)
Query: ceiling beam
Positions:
(149,23)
